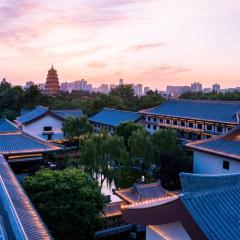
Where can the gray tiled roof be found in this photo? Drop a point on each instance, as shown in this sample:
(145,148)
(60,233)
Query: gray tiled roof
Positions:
(24,219)
(219,111)
(227,145)
(213,202)
(113,117)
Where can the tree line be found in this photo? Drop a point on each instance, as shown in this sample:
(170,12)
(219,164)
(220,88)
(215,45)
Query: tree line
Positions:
(227,96)
(14,98)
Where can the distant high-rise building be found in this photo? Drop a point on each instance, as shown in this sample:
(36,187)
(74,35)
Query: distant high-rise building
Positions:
(41,87)
(139,88)
(29,84)
(4,81)
(104,88)
(64,87)
(52,87)
(121,81)
(176,91)
(146,89)
(89,88)
(196,87)
(112,86)
(216,87)
(207,90)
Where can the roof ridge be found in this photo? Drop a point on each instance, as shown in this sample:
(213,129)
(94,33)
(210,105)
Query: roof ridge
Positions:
(192,183)
(120,110)
(209,191)
(204,100)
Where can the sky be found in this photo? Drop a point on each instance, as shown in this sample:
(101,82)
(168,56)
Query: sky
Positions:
(153,42)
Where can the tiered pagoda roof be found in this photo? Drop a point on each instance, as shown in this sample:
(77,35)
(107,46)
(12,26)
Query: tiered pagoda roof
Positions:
(52,87)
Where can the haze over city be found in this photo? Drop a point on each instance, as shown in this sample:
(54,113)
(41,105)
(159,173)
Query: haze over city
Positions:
(155,42)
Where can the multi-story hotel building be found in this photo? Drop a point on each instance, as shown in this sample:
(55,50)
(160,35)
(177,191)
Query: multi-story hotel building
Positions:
(194,119)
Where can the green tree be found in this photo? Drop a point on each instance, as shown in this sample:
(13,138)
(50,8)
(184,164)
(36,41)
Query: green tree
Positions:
(169,157)
(127,94)
(75,127)
(141,149)
(126,130)
(151,99)
(100,154)
(69,202)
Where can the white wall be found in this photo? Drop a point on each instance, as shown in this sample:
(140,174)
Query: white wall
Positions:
(47,121)
(205,163)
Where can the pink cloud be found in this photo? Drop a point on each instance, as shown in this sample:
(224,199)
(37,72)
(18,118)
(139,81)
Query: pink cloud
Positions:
(146,46)
(97,64)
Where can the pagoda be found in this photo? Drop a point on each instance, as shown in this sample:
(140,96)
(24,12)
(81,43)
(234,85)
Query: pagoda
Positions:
(52,87)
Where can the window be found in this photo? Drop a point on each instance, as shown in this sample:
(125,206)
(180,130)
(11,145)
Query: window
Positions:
(154,127)
(226,165)
(148,126)
(49,136)
(155,119)
(183,124)
(209,127)
(48,128)
(219,129)
(199,126)
(175,122)
(167,121)
(229,128)
(161,120)
(149,119)
(190,125)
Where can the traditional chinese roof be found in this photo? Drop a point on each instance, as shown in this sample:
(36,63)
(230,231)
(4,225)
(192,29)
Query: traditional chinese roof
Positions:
(20,217)
(142,192)
(217,111)
(69,113)
(113,117)
(208,207)
(227,145)
(213,202)
(7,126)
(113,209)
(31,115)
(16,141)
(40,111)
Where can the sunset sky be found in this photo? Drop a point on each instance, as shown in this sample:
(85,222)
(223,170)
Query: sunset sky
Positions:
(153,42)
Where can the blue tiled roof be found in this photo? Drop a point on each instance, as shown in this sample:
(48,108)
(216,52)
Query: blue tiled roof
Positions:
(213,202)
(220,111)
(67,113)
(227,145)
(19,214)
(29,116)
(20,142)
(113,117)
(7,126)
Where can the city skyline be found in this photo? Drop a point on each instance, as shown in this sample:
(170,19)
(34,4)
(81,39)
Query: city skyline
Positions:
(155,43)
